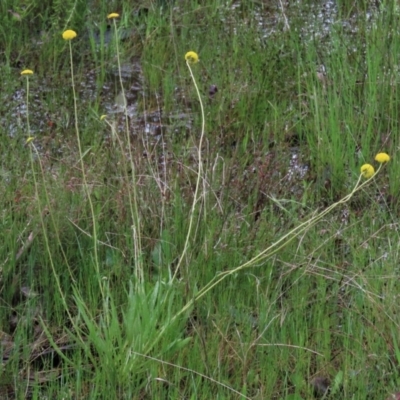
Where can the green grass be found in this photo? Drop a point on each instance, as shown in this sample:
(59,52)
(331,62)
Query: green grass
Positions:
(116,318)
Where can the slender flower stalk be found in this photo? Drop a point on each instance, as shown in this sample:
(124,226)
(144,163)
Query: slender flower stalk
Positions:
(133,196)
(27,73)
(366,172)
(69,35)
(191,58)
(42,212)
(29,141)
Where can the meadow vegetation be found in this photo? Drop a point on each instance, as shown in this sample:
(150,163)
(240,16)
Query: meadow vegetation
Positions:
(211,236)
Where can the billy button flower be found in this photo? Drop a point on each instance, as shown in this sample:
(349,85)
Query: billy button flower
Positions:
(27,72)
(191,57)
(382,158)
(69,34)
(112,15)
(367,171)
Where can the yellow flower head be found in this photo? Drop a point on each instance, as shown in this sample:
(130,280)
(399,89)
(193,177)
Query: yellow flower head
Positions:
(382,158)
(112,15)
(367,171)
(69,34)
(27,72)
(104,116)
(29,139)
(191,57)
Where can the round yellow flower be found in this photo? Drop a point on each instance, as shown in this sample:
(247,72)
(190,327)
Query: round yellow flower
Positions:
(27,72)
(69,34)
(191,57)
(382,158)
(112,15)
(367,170)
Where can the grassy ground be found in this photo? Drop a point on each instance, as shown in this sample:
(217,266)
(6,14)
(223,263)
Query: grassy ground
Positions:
(124,243)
